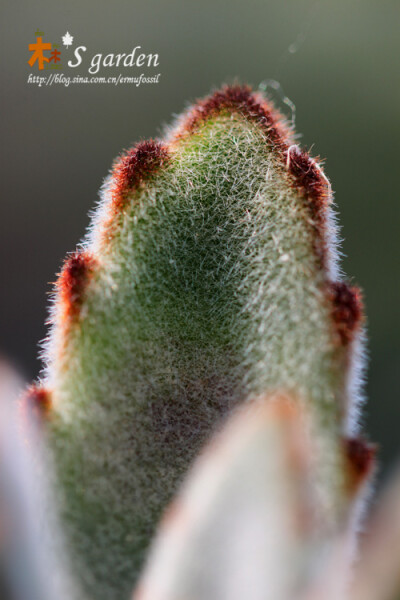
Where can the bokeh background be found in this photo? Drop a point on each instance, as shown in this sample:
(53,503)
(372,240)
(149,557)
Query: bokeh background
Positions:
(337,60)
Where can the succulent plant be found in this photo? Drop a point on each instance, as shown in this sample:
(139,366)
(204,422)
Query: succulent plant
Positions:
(208,284)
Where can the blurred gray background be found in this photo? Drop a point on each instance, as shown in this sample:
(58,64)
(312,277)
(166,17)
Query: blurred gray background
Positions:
(337,60)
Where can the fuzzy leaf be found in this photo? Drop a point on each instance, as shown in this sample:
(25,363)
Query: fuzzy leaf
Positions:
(209,276)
